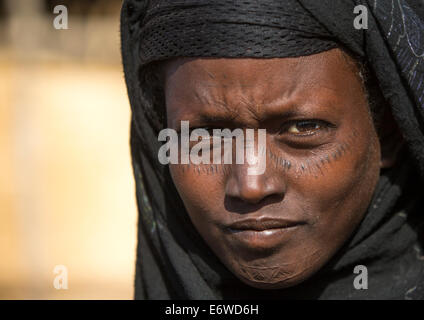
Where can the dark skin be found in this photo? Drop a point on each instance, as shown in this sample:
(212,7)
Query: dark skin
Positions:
(323,160)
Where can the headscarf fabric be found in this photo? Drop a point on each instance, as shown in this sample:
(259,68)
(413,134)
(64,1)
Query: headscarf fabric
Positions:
(173,261)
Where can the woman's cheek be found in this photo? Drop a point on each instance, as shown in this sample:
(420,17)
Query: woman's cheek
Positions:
(198,185)
(340,181)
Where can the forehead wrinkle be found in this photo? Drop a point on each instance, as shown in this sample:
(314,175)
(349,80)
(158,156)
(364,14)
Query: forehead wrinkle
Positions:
(247,105)
(301,91)
(226,106)
(262,104)
(251,107)
(311,84)
(204,106)
(214,99)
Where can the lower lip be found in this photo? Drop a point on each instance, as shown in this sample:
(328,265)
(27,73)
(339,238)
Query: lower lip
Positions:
(265,239)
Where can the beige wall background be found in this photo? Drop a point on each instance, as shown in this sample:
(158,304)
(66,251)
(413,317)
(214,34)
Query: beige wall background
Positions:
(66,186)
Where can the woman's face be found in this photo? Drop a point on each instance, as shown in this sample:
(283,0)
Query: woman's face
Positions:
(275,229)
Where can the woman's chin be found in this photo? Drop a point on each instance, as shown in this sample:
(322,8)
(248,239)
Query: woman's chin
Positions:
(271,284)
(270,277)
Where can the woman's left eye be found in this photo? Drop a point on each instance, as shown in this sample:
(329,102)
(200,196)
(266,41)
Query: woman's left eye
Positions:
(303,127)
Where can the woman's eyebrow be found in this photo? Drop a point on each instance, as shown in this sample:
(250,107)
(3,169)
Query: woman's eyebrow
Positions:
(235,120)
(253,112)
(309,104)
(207,119)
(217,118)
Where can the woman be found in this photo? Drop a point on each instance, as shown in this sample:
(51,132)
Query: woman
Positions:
(342,108)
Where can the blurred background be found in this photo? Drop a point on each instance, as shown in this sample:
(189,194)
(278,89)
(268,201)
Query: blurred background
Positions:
(66,185)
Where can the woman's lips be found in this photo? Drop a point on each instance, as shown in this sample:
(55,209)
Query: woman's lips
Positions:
(262,233)
(262,224)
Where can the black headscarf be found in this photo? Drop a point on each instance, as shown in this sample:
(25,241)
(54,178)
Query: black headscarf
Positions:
(173,261)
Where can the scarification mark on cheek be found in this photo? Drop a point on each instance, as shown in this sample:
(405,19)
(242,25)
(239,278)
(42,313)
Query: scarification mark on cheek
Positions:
(342,150)
(279,162)
(309,166)
(203,169)
(317,164)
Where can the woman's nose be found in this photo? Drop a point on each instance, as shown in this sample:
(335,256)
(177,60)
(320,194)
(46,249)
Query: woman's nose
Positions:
(254,188)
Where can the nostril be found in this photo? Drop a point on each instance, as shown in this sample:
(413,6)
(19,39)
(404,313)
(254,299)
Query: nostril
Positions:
(241,206)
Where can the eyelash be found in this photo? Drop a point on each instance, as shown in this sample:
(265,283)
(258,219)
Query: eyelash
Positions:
(319,126)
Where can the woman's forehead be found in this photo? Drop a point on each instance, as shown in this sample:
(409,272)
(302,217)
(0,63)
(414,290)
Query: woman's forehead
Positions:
(228,73)
(193,85)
